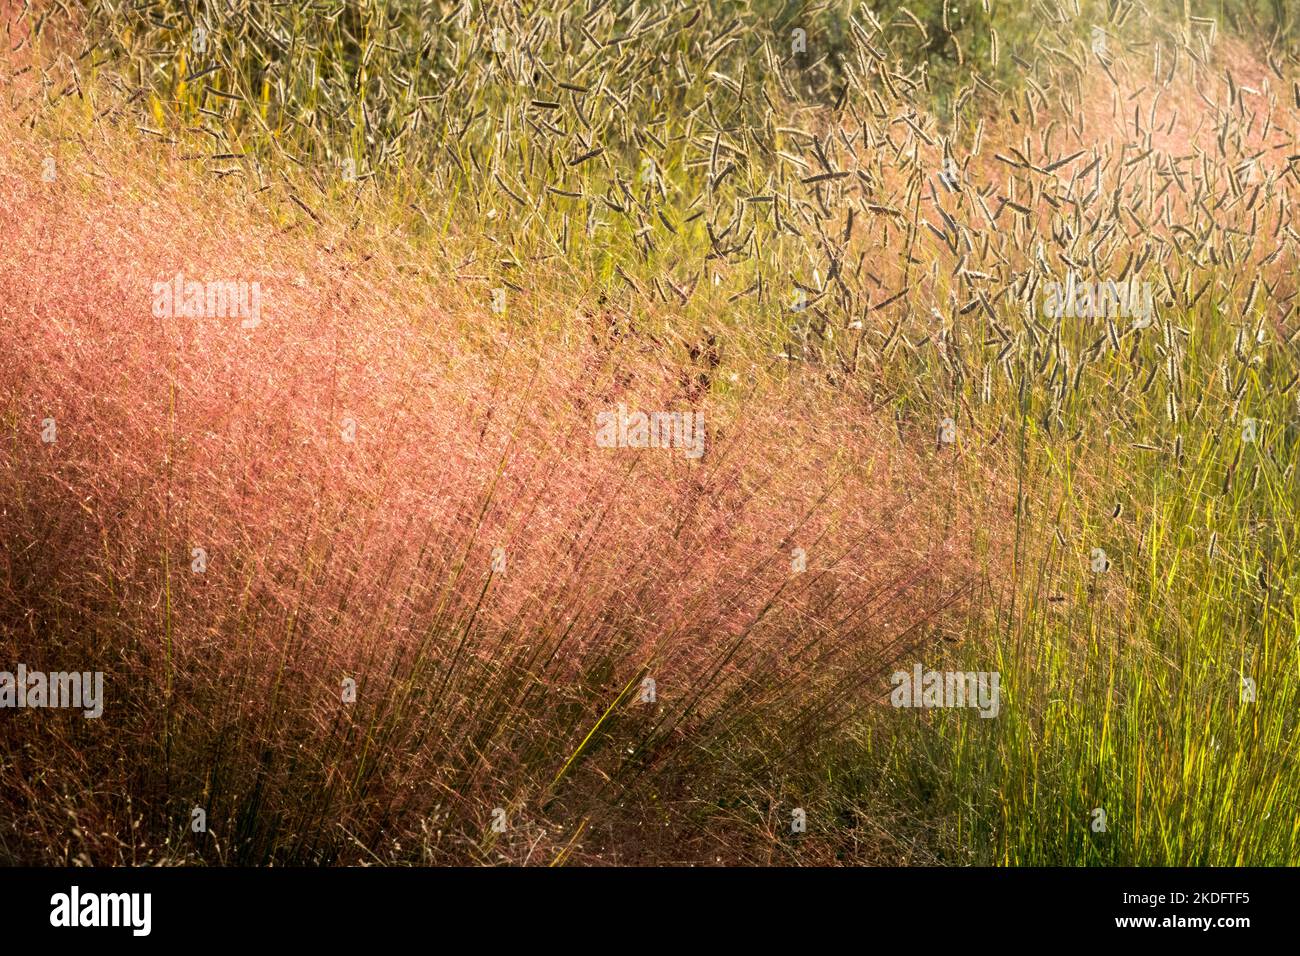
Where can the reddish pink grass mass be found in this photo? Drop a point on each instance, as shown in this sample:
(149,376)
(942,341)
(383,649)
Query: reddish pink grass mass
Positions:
(348,468)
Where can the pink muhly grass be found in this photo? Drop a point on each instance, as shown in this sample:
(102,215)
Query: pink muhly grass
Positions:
(372,559)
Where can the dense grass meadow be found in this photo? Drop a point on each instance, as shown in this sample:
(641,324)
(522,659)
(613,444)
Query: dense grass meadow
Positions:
(985,312)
